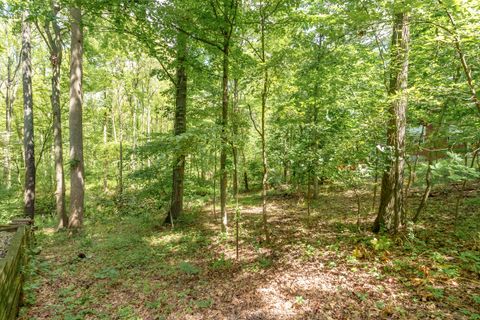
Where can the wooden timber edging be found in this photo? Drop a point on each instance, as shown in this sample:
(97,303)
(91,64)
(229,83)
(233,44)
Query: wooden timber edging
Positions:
(11,268)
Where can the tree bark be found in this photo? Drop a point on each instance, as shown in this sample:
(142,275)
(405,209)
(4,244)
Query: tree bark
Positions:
(28,137)
(54,43)
(9,100)
(235,133)
(391,197)
(77,181)
(120,150)
(105,153)
(245,174)
(180,126)
(263,138)
(10,94)
(224,123)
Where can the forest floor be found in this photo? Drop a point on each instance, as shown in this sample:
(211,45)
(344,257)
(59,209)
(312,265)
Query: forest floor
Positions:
(321,266)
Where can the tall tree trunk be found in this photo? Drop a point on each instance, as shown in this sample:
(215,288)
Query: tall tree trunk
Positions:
(180,126)
(9,97)
(149,131)
(120,150)
(262,133)
(77,182)
(214,178)
(224,123)
(391,197)
(235,133)
(55,44)
(105,153)
(28,139)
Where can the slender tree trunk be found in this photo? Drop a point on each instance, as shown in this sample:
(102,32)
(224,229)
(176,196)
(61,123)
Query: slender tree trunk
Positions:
(224,123)
(214,200)
(461,195)
(180,126)
(120,151)
(412,169)
(114,126)
(28,138)
(9,97)
(149,131)
(467,70)
(77,182)
(245,174)
(391,198)
(359,206)
(375,182)
(57,140)
(428,188)
(235,133)
(55,45)
(105,153)
(309,194)
(262,135)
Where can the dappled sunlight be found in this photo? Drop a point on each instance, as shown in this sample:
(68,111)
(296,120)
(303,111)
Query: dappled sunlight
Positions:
(48,231)
(317,267)
(159,240)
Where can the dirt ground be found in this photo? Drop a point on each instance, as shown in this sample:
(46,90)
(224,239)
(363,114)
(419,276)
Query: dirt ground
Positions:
(323,266)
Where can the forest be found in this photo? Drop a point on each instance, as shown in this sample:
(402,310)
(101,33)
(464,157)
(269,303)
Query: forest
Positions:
(243,159)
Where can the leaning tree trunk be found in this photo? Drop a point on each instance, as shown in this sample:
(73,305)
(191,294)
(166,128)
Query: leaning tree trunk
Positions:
(391,197)
(77,182)
(180,126)
(28,141)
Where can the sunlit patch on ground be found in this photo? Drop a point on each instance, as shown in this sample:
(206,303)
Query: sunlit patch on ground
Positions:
(325,266)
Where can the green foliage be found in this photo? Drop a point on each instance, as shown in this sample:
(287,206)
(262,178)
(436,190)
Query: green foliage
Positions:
(453,169)
(188,268)
(107,273)
(221,263)
(204,304)
(382,243)
(470,261)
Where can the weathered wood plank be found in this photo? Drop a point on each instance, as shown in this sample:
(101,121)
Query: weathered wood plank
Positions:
(11,276)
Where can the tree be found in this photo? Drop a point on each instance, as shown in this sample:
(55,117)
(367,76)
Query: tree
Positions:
(77,181)
(53,41)
(28,136)
(11,85)
(227,27)
(391,209)
(180,127)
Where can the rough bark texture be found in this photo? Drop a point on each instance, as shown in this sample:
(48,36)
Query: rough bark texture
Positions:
(28,140)
(77,182)
(55,46)
(180,126)
(391,197)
